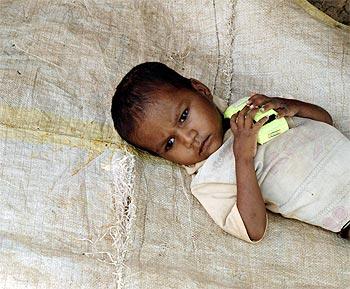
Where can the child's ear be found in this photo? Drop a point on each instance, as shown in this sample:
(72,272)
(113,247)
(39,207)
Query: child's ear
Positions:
(201,88)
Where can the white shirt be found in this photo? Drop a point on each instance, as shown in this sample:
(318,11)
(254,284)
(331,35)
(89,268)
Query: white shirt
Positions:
(303,174)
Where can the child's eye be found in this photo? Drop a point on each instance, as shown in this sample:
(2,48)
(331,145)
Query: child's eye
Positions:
(169,144)
(184,113)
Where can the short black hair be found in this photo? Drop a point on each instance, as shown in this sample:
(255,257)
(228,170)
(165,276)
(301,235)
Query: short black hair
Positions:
(135,92)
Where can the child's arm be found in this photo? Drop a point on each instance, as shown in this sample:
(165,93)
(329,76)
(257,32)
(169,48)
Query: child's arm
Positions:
(291,107)
(250,203)
(309,110)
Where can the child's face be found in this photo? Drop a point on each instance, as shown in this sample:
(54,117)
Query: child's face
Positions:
(179,122)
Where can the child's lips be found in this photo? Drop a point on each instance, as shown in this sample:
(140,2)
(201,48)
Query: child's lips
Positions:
(204,145)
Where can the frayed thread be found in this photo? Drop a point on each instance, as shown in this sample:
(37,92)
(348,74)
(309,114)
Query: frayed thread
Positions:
(122,173)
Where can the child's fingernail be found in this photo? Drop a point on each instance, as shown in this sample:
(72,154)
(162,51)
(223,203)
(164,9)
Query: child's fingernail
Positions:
(262,109)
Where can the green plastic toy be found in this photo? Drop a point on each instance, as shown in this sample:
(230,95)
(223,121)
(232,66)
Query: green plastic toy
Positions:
(272,128)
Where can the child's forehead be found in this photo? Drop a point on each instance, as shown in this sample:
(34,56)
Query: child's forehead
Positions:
(167,98)
(163,107)
(166,107)
(166,92)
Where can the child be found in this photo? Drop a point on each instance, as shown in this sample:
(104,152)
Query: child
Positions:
(303,173)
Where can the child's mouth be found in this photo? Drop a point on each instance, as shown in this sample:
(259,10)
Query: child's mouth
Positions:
(204,145)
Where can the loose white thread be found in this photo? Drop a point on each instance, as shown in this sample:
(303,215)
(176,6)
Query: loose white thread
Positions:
(122,173)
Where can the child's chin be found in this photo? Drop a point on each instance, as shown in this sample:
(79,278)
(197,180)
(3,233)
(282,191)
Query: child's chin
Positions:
(215,145)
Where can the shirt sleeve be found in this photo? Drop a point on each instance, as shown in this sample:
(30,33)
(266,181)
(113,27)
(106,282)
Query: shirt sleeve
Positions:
(219,200)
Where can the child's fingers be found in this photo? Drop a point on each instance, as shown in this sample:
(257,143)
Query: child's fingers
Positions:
(241,116)
(261,122)
(267,106)
(274,103)
(250,116)
(282,112)
(258,99)
(233,123)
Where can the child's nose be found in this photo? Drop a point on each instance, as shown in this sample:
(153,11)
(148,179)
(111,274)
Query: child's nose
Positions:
(188,138)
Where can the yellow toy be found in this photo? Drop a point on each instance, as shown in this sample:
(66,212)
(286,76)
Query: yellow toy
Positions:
(271,128)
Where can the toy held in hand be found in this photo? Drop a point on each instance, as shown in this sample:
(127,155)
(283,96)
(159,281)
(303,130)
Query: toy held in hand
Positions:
(271,128)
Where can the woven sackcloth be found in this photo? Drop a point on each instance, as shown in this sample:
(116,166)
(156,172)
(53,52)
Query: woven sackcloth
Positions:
(80,208)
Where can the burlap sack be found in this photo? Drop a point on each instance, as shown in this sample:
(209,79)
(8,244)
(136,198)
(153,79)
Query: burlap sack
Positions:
(81,209)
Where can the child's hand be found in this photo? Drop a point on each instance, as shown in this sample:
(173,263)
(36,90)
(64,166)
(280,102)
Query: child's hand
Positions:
(245,133)
(283,106)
